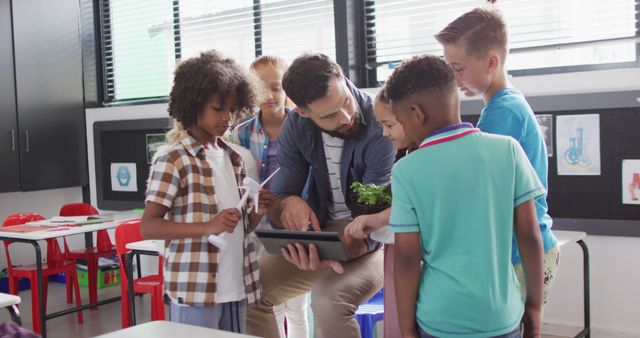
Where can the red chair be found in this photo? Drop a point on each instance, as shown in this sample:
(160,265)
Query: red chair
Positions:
(56,263)
(103,248)
(128,232)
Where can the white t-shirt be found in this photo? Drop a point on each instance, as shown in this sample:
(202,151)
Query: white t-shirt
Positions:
(230,282)
(338,210)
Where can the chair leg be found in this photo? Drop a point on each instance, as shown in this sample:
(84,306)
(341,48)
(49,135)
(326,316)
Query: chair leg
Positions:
(92,270)
(68,285)
(154,307)
(35,306)
(158,306)
(124,305)
(73,276)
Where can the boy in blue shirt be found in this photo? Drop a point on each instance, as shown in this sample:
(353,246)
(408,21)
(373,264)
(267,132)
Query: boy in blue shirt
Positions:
(457,202)
(475,45)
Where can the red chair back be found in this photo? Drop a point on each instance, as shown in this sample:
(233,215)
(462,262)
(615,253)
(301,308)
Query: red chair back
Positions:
(78,209)
(126,232)
(84,209)
(53,248)
(21,218)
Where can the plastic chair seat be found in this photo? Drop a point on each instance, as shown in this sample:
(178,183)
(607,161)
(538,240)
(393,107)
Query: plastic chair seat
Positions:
(370,313)
(147,283)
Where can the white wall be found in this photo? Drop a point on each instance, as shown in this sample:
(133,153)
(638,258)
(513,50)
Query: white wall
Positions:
(615,286)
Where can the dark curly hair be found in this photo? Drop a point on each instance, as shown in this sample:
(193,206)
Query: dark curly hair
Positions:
(308,78)
(418,74)
(198,78)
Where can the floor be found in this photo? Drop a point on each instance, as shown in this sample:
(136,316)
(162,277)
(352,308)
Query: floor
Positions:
(107,317)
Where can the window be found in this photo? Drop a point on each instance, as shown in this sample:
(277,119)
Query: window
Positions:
(290,28)
(138,58)
(143,39)
(543,34)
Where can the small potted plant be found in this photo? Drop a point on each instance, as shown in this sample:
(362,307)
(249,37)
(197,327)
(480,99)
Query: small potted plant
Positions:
(370,198)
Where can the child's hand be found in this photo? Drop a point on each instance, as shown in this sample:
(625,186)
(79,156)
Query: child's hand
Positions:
(362,226)
(531,320)
(226,220)
(265,201)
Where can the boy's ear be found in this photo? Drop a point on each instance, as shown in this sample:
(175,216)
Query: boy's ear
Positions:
(419,114)
(493,63)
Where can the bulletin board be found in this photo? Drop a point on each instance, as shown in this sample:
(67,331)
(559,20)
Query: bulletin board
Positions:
(599,196)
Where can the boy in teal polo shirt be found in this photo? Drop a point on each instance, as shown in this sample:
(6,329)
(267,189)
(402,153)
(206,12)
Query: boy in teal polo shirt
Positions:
(457,202)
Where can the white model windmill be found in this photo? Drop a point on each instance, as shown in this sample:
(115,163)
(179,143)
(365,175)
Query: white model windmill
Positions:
(250,186)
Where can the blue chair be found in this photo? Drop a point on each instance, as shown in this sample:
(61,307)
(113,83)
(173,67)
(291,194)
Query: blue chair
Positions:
(370,313)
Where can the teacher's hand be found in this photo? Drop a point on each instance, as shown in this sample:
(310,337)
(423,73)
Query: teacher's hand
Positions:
(296,215)
(298,256)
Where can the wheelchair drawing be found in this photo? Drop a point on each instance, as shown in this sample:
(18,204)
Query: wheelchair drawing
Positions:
(575,154)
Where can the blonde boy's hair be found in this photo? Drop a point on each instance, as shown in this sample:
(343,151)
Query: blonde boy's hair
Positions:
(275,61)
(480,31)
(176,132)
(270,60)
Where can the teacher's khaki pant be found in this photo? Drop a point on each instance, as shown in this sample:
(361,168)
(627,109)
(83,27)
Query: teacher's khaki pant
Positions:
(334,297)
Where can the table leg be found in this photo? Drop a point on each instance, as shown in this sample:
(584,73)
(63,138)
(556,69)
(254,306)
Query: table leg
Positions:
(132,308)
(138,265)
(587,298)
(88,239)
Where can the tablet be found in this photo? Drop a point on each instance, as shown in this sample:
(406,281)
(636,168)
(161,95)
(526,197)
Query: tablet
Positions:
(328,244)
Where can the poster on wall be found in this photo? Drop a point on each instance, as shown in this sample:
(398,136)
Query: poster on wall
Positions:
(546,125)
(578,142)
(124,177)
(631,182)
(154,142)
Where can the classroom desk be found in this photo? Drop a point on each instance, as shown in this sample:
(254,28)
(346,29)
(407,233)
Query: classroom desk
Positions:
(149,247)
(565,237)
(33,238)
(10,302)
(166,329)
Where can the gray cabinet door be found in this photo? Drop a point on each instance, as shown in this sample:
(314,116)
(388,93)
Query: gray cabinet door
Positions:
(48,67)
(9,152)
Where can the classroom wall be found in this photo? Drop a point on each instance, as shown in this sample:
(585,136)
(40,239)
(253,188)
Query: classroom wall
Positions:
(615,267)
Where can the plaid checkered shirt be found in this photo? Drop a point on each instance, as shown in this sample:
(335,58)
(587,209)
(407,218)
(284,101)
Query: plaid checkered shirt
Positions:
(181,179)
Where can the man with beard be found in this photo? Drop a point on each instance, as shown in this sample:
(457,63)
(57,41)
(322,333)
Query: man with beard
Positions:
(332,141)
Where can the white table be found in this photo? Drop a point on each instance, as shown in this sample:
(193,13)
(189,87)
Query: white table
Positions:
(166,329)
(10,302)
(564,238)
(152,247)
(33,238)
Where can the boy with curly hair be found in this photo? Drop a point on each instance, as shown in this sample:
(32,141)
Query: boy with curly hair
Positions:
(457,202)
(193,193)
